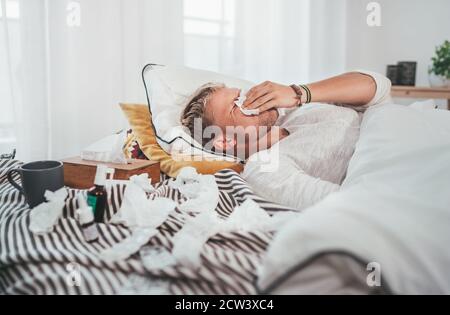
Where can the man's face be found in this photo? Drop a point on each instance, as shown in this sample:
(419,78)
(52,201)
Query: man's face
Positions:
(223,112)
(246,131)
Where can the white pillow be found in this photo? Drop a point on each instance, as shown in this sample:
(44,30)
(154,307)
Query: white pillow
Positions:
(168,89)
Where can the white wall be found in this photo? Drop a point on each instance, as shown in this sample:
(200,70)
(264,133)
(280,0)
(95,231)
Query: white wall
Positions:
(327,40)
(410,31)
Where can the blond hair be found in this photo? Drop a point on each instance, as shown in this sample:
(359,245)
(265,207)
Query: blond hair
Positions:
(195,110)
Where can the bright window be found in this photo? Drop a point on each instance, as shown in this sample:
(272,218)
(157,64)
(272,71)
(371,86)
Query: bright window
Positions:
(8,28)
(208,33)
(12,9)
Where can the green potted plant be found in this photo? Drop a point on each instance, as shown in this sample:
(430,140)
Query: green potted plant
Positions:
(440,68)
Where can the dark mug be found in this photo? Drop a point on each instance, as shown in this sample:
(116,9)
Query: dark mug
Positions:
(37,178)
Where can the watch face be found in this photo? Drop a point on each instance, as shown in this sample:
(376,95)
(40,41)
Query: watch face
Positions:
(299,93)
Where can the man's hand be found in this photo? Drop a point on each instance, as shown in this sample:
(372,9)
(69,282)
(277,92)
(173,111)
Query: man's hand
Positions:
(353,88)
(270,95)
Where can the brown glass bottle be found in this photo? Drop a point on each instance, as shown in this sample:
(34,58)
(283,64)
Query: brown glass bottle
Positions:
(96,199)
(97,195)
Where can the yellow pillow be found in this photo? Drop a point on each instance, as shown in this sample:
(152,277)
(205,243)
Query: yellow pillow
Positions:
(140,121)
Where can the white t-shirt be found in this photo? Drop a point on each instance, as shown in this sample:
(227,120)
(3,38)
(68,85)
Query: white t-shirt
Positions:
(312,161)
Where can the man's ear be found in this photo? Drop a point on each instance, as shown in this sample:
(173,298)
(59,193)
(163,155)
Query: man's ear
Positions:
(224,144)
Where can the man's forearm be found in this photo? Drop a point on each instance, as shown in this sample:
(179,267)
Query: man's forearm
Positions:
(351,88)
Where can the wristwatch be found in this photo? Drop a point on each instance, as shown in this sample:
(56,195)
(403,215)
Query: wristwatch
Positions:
(299,93)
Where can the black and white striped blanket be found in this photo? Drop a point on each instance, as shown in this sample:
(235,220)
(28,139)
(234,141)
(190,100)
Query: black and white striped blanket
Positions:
(62,262)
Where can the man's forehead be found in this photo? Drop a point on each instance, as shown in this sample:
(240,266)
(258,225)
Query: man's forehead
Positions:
(218,101)
(220,91)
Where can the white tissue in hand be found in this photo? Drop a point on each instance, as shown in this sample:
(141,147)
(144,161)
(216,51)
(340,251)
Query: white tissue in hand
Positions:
(201,190)
(248,112)
(109,149)
(128,246)
(47,214)
(139,211)
(189,241)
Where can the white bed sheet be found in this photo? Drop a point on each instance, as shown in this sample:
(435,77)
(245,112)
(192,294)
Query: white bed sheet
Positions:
(393,208)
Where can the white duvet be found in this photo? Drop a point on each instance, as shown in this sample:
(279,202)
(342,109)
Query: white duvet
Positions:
(393,207)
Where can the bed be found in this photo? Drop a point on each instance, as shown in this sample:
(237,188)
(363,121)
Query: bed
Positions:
(392,212)
(51,263)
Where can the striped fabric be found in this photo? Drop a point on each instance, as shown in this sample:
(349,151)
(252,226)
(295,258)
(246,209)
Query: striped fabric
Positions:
(48,264)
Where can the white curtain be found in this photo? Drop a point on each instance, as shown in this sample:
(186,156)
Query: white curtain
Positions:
(23,79)
(65,65)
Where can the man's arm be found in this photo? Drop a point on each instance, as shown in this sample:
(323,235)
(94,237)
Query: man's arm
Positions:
(353,88)
(287,184)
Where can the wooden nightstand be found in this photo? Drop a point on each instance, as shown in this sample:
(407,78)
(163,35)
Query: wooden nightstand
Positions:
(80,174)
(421,92)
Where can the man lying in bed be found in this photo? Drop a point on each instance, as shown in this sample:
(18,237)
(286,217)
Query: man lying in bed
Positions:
(311,144)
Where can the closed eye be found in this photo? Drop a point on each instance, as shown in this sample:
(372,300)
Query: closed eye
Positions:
(233,107)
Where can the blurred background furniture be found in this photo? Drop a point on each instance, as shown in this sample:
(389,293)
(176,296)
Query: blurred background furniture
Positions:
(80,174)
(422,92)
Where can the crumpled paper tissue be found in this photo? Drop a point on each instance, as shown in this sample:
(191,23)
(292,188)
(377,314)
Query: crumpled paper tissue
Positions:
(109,150)
(143,181)
(201,190)
(137,284)
(189,241)
(142,215)
(46,215)
(249,216)
(156,257)
(137,210)
(129,246)
(240,102)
